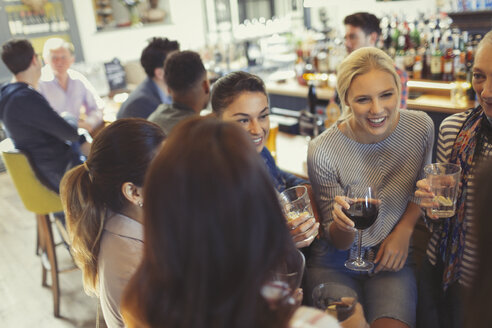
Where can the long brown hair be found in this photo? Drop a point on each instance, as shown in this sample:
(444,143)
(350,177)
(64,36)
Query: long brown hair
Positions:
(213,232)
(120,153)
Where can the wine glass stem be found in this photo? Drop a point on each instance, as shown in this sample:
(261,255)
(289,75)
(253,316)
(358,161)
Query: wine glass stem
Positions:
(359,246)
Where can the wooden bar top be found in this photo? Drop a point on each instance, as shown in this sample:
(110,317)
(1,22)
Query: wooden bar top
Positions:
(291,88)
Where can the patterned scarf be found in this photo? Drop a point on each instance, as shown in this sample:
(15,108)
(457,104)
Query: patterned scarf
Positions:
(452,239)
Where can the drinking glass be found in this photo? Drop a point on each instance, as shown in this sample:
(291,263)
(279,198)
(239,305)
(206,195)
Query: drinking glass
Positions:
(363,211)
(295,202)
(285,280)
(336,300)
(443,179)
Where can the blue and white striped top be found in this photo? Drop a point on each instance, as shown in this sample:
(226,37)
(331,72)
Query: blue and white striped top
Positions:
(447,135)
(394,165)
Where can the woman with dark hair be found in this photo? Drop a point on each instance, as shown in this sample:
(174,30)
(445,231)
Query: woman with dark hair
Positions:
(214,232)
(241,97)
(103,203)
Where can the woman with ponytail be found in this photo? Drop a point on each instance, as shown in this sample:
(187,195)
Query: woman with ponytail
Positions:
(102,199)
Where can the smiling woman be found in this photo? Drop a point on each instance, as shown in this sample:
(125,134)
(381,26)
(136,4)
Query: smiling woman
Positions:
(374,144)
(241,97)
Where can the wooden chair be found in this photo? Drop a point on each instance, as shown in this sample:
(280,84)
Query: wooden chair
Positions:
(42,201)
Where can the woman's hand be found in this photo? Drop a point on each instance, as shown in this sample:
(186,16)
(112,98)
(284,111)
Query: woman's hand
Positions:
(303,229)
(339,218)
(426,197)
(393,251)
(356,320)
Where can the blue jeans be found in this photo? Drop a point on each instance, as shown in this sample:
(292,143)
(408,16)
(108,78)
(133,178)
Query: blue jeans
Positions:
(383,295)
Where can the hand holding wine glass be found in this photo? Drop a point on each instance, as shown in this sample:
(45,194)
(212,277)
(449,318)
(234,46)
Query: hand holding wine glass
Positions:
(363,211)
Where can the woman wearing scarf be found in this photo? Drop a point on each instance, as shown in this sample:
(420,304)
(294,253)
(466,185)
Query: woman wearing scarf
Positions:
(464,139)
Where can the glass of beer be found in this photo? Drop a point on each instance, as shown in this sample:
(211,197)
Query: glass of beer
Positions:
(295,202)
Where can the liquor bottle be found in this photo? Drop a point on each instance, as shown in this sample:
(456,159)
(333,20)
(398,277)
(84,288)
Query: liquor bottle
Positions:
(12,26)
(400,53)
(435,63)
(417,67)
(448,61)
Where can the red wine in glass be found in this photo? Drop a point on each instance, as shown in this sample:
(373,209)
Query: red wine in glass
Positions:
(363,213)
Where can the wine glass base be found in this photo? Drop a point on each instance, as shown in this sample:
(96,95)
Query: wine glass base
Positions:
(359,265)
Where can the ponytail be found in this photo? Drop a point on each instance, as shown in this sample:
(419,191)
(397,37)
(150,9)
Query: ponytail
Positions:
(85,215)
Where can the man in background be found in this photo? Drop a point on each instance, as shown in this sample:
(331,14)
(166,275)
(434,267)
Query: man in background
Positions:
(188,86)
(29,120)
(66,90)
(362,30)
(153,90)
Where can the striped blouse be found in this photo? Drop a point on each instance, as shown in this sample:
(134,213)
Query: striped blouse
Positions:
(447,134)
(394,165)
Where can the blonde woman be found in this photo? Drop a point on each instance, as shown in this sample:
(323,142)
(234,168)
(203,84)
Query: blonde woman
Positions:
(103,203)
(375,144)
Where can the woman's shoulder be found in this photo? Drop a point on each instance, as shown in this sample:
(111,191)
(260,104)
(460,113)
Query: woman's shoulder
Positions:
(416,118)
(306,317)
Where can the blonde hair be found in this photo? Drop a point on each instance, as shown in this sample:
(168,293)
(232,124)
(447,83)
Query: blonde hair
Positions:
(359,62)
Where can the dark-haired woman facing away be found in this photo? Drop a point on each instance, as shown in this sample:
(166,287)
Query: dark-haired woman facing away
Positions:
(241,97)
(207,268)
(103,204)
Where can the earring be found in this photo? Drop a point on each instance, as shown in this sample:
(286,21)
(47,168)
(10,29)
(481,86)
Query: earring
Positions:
(140,203)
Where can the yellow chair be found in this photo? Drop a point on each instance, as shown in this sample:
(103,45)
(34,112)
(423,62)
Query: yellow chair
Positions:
(41,201)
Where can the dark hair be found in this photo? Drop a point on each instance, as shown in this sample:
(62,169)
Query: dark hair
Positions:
(120,153)
(226,89)
(214,230)
(366,21)
(154,55)
(17,55)
(182,70)
(478,313)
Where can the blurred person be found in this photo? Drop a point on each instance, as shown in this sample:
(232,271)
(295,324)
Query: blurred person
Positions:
(464,139)
(374,144)
(103,203)
(31,122)
(67,90)
(362,30)
(241,97)
(210,267)
(477,308)
(188,86)
(153,90)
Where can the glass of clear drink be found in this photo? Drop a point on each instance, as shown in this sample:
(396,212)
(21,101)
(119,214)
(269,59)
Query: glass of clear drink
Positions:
(443,179)
(295,202)
(336,300)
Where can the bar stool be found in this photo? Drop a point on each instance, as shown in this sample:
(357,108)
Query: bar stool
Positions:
(42,201)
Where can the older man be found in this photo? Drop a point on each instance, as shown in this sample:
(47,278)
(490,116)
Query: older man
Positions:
(66,90)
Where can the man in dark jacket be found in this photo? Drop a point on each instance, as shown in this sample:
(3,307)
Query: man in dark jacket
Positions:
(153,90)
(31,123)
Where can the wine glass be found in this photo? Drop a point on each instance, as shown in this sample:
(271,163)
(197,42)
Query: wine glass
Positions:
(363,211)
(285,280)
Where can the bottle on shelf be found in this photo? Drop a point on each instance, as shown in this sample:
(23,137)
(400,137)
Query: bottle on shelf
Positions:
(448,61)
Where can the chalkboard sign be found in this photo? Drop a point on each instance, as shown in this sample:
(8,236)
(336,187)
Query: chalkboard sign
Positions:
(115,73)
